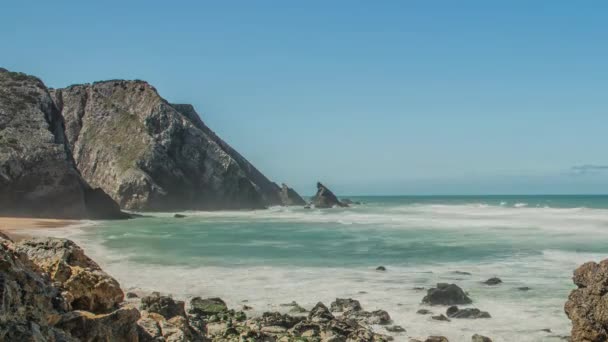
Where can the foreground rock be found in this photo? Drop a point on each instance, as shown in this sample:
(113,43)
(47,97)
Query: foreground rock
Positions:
(587,306)
(480,338)
(84,285)
(471,313)
(148,154)
(324,198)
(446,294)
(38,177)
(44,279)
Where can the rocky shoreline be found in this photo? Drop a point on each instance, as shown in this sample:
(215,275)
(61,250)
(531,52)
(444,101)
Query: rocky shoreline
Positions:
(52,291)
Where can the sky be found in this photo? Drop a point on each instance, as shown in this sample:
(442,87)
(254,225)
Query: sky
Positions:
(369,97)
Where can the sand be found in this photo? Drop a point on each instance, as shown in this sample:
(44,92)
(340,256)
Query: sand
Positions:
(16,227)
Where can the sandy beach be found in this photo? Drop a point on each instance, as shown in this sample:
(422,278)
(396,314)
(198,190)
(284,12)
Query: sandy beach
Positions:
(16,227)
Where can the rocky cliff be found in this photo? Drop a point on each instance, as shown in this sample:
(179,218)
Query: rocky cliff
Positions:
(587,306)
(38,176)
(148,154)
(325,198)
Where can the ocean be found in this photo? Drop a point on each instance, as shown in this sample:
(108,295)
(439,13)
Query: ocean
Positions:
(274,256)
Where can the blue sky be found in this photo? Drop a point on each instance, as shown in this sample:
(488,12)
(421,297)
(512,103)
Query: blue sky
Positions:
(389,97)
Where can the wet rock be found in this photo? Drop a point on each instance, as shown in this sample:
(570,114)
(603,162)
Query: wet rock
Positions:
(375,317)
(163,305)
(395,329)
(480,338)
(345,304)
(436,339)
(471,313)
(89,287)
(462,273)
(179,216)
(446,294)
(277,319)
(131,295)
(523,288)
(546,330)
(324,198)
(247,308)
(440,317)
(587,306)
(206,307)
(423,312)
(493,281)
(380,268)
(320,314)
(418,288)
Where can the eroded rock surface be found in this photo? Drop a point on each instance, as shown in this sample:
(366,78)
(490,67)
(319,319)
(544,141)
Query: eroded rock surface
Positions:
(148,154)
(587,306)
(446,294)
(38,177)
(324,198)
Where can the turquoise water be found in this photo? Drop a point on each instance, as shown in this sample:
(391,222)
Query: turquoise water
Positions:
(283,254)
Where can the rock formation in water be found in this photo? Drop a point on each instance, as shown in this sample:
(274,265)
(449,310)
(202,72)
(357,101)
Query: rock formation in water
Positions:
(38,176)
(587,306)
(290,197)
(446,294)
(149,154)
(324,198)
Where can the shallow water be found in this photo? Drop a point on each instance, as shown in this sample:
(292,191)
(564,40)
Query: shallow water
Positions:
(278,255)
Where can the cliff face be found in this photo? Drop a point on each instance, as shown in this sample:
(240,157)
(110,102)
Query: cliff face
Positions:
(38,176)
(148,154)
(587,306)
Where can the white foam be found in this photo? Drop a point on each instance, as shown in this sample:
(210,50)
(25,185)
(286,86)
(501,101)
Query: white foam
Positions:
(516,315)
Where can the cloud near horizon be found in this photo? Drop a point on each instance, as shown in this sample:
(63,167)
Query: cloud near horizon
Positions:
(588,168)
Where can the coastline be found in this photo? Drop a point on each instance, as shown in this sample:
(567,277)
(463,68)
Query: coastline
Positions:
(17,227)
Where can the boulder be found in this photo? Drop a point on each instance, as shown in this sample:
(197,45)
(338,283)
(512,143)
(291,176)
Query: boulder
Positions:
(423,312)
(380,268)
(587,306)
(345,304)
(446,294)
(88,287)
(375,317)
(119,326)
(320,314)
(163,305)
(493,281)
(480,338)
(179,216)
(324,198)
(436,339)
(523,288)
(30,307)
(206,307)
(455,312)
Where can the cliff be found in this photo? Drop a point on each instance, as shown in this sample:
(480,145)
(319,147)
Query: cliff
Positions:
(38,176)
(148,154)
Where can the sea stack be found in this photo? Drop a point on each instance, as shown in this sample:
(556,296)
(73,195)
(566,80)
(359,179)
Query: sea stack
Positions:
(149,154)
(290,197)
(324,198)
(38,177)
